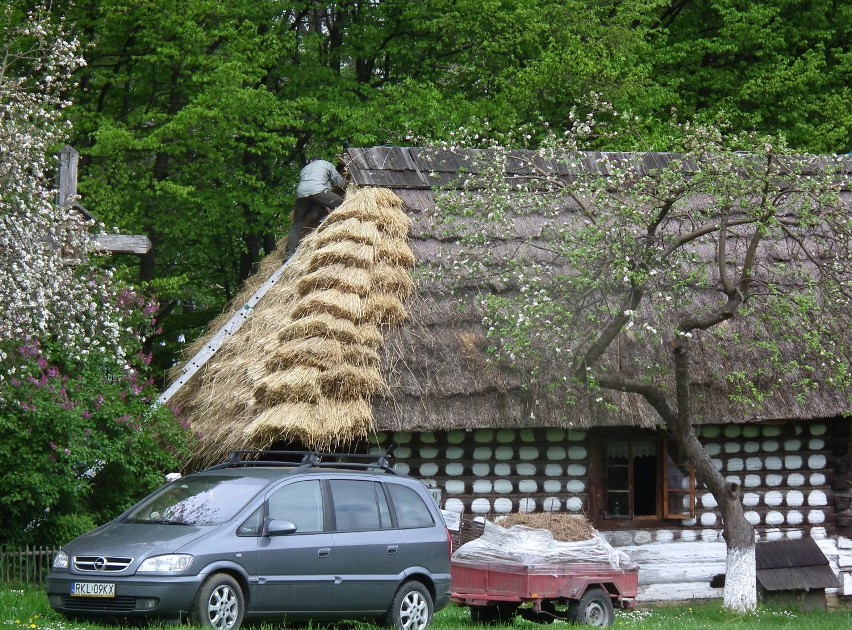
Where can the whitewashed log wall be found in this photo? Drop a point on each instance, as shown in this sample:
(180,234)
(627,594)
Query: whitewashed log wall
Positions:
(785,474)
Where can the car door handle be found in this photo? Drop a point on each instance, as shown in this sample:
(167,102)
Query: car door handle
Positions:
(392,549)
(325,552)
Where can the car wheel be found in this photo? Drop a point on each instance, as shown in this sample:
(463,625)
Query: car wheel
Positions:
(218,604)
(594,609)
(411,608)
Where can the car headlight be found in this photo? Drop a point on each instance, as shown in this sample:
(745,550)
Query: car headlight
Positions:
(171,563)
(60,560)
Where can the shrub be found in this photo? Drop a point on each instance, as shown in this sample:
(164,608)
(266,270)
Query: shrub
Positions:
(82,441)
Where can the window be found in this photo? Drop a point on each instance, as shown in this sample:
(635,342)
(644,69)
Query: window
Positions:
(253,525)
(300,503)
(409,507)
(356,506)
(201,500)
(678,482)
(646,478)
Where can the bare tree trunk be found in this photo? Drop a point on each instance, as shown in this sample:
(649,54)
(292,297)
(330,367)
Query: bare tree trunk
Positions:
(741,571)
(741,576)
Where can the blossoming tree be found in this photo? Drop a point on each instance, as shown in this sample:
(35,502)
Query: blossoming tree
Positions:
(80,441)
(725,264)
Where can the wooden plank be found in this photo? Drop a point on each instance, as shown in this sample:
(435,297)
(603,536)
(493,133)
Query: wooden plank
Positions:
(678,562)
(68,159)
(119,244)
(684,591)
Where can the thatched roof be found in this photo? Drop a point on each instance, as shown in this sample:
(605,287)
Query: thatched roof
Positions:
(436,366)
(362,334)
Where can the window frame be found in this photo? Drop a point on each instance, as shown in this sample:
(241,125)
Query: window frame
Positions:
(599,496)
(668,444)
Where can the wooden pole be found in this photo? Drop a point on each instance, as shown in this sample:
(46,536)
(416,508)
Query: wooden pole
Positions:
(68,159)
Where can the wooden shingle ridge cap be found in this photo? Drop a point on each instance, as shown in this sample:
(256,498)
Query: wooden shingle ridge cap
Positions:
(426,167)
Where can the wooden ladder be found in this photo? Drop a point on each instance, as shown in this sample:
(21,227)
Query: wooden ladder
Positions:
(211,347)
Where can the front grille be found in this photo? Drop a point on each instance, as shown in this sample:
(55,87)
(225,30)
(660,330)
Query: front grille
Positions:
(101,564)
(99,604)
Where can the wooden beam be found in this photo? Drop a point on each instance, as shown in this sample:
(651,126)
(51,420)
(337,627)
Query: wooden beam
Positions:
(119,243)
(67,185)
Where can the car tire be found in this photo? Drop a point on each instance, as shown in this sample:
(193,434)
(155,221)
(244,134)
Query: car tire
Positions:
(411,608)
(594,609)
(219,603)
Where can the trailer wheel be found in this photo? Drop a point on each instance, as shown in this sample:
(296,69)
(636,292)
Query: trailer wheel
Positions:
(490,615)
(594,609)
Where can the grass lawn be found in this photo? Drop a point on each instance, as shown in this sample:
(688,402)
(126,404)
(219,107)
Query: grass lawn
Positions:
(27,609)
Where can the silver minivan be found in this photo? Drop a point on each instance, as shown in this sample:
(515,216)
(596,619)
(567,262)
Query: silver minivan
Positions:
(320,537)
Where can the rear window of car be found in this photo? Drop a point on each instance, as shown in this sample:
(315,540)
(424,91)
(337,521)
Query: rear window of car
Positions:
(411,510)
(359,505)
(203,500)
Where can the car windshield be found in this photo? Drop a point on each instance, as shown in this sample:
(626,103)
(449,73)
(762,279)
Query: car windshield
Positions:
(207,500)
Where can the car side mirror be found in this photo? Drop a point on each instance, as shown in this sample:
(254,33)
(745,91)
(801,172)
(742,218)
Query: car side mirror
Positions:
(274,527)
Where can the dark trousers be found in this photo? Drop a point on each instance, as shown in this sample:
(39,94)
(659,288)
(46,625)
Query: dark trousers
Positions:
(308,214)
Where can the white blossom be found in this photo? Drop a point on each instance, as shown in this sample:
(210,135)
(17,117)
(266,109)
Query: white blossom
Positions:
(40,295)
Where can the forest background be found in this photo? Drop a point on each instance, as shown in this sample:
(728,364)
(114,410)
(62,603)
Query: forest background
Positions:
(193,120)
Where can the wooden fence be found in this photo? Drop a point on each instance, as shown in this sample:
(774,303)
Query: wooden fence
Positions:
(25,565)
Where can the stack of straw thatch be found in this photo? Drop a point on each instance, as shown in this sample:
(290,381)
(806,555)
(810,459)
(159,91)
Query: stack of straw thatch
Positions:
(323,373)
(305,366)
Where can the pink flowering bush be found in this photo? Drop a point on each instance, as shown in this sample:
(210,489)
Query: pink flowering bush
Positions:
(81,438)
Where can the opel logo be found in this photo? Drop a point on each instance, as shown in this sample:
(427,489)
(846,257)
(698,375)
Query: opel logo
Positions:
(100,563)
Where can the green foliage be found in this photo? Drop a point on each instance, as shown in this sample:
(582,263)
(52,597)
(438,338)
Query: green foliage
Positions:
(195,120)
(82,441)
(780,67)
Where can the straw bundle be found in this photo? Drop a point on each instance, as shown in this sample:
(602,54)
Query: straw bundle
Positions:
(331,301)
(347,382)
(313,352)
(296,384)
(379,205)
(360,356)
(395,252)
(322,426)
(384,310)
(392,280)
(348,253)
(369,335)
(305,366)
(232,376)
(337,276)
(321,325)
(352,229)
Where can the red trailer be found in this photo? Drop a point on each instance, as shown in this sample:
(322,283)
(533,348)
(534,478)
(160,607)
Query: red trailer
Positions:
(584,593)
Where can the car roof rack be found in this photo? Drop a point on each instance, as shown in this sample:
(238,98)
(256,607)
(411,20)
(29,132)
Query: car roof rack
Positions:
(304,460)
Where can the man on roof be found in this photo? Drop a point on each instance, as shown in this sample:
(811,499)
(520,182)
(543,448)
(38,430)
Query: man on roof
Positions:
(319,192)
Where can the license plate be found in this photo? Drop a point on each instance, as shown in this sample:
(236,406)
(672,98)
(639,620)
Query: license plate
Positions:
(92,589)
